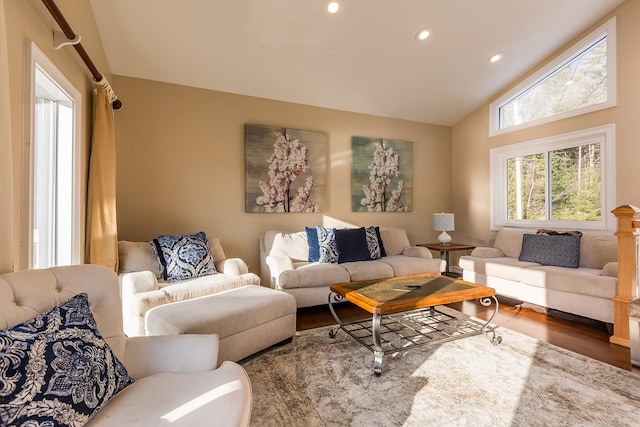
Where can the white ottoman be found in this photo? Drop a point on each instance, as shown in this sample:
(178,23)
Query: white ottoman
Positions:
(247,319)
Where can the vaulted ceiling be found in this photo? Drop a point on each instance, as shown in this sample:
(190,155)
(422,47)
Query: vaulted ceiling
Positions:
(365,58)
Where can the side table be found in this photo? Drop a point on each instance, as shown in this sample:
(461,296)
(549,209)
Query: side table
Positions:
(444,253)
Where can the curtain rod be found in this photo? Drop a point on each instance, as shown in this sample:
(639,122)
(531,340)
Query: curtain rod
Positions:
(100,80)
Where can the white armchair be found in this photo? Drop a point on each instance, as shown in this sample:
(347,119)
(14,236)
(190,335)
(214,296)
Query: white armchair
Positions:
(176,380)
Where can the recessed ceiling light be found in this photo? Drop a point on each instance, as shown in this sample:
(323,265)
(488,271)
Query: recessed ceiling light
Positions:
(423,34)
(495,57)
(333,7)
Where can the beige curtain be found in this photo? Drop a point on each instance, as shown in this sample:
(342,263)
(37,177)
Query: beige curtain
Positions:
(102,229)
(6,158)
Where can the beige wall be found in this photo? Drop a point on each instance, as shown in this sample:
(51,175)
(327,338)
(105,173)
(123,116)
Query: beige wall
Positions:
(181,165)
(471,143)
(30,20)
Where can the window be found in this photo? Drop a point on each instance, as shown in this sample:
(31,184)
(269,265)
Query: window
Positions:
(52,226)
(581,80)
(565,181)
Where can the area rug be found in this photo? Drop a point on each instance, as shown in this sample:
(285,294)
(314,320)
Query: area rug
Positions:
(321,381)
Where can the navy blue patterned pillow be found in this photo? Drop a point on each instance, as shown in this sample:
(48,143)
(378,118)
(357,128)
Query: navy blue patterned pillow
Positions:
(312,241)
(327,244)
(56,370)
(184,256)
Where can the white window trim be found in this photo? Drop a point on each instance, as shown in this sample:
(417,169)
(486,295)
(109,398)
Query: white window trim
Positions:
(605,135)
(608,29)
(35,57)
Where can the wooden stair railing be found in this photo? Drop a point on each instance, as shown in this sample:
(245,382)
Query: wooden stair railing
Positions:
(628,225)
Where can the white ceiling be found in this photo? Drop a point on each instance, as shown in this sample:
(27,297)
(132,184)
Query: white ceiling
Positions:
(364,59)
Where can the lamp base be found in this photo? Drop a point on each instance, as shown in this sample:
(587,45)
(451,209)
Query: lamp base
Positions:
(444,238)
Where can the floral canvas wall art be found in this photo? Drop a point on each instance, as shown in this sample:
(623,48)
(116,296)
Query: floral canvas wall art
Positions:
(285,169)
(381,175)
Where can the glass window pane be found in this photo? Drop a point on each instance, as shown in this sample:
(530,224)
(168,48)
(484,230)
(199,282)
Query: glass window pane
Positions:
(581,82)
(576,183)
(526,187)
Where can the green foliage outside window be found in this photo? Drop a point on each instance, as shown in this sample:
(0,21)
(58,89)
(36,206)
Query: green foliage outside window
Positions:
(574,181)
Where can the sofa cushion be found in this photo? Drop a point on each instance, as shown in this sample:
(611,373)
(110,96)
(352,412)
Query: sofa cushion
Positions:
(395,240)
(509,241)
(507,268)
(292,245)
(596,250)
(327,244)
(404,265)
(367,270)
(184,256)
(556,250)
(57,368)
(138,256)
(582,281)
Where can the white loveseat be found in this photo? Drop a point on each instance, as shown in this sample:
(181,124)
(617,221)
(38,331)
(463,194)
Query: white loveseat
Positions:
(142,287)
(586,291)
(176,380)
(284,264)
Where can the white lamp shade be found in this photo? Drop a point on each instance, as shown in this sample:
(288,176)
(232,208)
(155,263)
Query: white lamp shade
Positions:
(443,222)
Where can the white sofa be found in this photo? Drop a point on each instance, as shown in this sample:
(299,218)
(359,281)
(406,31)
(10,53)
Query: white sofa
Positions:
(586,291)
(176,380)
(284,264)
(142,288)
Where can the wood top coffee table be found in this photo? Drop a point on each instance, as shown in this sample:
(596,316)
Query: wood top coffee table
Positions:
(404,312)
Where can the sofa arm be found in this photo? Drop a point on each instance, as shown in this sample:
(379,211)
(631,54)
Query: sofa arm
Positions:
(610,269)
(145,356)
(278,264)
(138,281)
(417,252)
(487,252)
(234,266)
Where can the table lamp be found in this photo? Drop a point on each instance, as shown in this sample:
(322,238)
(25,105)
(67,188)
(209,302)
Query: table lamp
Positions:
(443,222)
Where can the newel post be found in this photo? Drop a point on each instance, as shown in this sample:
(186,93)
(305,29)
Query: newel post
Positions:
(627,234)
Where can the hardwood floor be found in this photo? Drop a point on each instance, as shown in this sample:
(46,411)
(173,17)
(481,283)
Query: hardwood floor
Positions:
(574,333)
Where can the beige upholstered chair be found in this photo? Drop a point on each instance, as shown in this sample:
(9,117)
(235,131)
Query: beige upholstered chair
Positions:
(177,382)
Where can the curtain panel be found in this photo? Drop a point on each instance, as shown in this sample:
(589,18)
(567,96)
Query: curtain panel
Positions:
(102,227)
(6,162)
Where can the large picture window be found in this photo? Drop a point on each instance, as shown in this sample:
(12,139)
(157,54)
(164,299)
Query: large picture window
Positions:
(565,181)
(580,80)
(52,206)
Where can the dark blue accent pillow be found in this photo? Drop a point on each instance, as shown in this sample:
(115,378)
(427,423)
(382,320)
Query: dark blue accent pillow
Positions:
(56,369)
(184,256)
(556,250)
(351,244)
(314,246)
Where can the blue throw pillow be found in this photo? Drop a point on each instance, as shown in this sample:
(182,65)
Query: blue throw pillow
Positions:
(374,243)
(352,245)
(556,250)
(327,244)
(312,241)
(56,370)
(184,256)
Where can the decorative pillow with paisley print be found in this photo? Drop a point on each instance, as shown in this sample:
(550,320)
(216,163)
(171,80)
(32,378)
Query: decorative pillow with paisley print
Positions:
(56,369)
(184,256)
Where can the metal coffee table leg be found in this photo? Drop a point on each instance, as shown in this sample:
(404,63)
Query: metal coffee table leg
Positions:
(377,345)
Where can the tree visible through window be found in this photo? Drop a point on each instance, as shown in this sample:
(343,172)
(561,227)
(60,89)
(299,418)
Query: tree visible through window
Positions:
(573,179)
(580,80)
(562,181)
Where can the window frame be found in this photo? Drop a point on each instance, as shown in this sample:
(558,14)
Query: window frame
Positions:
(604,135)
(608,29)
(35,58)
